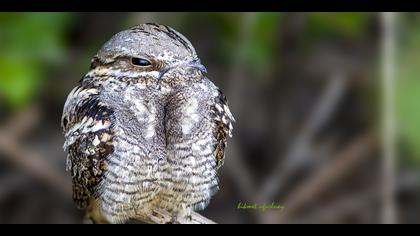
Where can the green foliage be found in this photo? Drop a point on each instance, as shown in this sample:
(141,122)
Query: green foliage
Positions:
(257,52)
(344,24)
(408,107)
(29,43)
(20,80)
(408,89)
(263,46)
(229,35)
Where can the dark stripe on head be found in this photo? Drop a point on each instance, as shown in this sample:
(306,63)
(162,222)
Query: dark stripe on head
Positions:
(153,24)
(175,35)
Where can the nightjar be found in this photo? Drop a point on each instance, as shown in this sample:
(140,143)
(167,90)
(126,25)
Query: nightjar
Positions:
(145,128)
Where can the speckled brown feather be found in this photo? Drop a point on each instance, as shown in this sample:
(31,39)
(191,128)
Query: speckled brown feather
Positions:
(224,120)
(87,154)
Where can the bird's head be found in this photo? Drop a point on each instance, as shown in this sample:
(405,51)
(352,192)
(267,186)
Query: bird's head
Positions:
(151,51)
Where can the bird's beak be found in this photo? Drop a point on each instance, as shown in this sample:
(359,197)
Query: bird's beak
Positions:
(197,65)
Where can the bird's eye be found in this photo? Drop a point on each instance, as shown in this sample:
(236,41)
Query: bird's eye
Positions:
(140,62)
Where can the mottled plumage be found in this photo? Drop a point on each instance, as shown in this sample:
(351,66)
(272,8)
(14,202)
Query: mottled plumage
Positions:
(145,129)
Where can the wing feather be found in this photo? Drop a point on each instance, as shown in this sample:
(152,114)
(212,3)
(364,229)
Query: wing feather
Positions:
(87,125)
(224,127)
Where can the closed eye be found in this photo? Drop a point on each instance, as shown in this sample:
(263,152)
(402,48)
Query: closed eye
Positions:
(140,62)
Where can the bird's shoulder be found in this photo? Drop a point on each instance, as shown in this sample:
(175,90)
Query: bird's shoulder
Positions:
(222,118)
(224,126)
(88,127)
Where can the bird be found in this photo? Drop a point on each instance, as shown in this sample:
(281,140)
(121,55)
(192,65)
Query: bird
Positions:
(145,129)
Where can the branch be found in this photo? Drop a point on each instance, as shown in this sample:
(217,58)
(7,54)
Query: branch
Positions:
(27,159)
(388,21)
(354,204)
(346,161)
(326,106)
(165,217)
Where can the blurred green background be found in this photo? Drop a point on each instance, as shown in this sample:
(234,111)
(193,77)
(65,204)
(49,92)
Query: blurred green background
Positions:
(304,88)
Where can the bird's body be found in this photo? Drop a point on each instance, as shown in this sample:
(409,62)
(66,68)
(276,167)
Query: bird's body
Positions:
(145,129)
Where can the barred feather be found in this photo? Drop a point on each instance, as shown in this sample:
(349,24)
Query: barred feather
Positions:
(224,127)
(87,125)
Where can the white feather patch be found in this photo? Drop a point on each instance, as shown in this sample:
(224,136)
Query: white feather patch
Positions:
(131,74)
(96,141)
(191,116)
